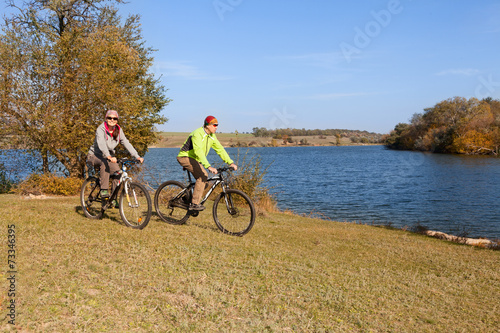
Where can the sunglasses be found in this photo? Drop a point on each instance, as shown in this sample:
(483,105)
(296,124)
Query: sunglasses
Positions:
(112,118)
(215,125)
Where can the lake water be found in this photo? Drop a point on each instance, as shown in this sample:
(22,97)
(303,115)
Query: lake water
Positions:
(459,195)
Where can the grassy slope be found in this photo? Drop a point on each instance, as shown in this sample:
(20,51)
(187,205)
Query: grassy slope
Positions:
(289,273)
(176,139)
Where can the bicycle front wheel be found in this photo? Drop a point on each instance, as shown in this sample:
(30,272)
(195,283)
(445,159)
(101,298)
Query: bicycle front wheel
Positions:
(135,205)
(234,212)
(90,198)
(172,201)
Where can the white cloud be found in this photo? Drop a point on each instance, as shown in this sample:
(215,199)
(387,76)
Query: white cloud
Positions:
(331,96)
(323,60)
(459,71)
(184,70)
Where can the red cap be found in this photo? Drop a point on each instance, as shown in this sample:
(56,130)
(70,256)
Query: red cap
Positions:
(210,120)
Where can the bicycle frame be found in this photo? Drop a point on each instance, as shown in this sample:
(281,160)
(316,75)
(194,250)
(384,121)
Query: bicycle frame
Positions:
(233,210)
(123,179)
(217,179)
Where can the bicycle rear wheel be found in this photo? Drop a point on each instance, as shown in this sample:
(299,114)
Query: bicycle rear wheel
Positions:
(90,198)
(234,212)
(135,205)
(172,205)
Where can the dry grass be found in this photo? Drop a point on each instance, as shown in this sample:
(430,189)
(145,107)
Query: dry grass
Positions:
(289,273)
(176,139)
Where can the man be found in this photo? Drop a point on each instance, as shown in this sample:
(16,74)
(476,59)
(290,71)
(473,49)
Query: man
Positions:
(193,157)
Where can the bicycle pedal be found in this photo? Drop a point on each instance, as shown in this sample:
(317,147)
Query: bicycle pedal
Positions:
(105,203)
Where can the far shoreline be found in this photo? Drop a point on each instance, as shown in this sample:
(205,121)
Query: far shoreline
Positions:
(285,146)
(246,140)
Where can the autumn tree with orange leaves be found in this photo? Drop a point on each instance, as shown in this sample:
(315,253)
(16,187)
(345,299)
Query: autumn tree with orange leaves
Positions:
(63,63)
(455,125)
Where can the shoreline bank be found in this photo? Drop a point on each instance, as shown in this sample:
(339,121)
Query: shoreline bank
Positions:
(479,242)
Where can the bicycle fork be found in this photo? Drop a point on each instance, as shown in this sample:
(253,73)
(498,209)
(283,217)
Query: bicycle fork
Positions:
(229,204)
(135,203)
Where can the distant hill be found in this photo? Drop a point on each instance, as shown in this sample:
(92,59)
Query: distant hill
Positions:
(280,138)
(342,133)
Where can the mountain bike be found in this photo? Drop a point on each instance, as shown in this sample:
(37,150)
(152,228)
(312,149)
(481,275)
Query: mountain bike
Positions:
(134,201)
(233,210)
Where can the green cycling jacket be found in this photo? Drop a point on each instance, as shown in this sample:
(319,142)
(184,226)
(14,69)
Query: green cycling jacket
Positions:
(198,145)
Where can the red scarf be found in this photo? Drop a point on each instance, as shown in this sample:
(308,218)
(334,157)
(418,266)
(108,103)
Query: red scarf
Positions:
(110,132)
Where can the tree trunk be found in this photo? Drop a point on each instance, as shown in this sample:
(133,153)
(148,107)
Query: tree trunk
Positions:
(45,161)
(76,166)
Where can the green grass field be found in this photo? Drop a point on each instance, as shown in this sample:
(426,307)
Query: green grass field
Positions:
(289,274)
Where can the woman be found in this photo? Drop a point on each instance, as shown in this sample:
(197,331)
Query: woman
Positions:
(101,153)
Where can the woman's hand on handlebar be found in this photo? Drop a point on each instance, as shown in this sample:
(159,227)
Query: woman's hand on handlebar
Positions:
(126,160)
(233,166)
(212,170)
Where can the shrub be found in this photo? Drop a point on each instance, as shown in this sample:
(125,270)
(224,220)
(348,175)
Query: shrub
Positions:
(6,183)
(250,179)
(49,184)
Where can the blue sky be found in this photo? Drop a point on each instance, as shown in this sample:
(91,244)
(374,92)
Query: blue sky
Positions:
(364,65)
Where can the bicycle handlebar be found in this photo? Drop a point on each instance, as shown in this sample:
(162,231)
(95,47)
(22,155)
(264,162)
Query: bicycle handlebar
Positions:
(226,168)
(127,161)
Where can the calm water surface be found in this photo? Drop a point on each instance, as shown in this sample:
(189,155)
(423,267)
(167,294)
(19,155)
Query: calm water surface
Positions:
(370,184)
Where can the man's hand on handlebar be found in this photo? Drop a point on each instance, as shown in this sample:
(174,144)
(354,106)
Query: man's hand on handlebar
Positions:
(216,171)
(140,159)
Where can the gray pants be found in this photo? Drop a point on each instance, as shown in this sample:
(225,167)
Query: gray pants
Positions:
(199,173)
(106,168)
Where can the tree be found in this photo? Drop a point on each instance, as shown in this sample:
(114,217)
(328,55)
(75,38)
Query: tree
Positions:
(455,125)
(63,63)
(396,139)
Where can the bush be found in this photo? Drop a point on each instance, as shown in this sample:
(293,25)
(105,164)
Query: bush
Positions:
(37,184)
(250,179)
(6,183)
